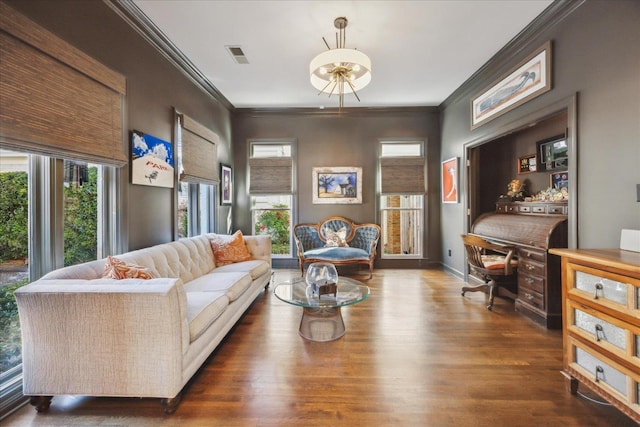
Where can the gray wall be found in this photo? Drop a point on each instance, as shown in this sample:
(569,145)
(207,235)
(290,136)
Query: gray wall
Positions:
(347,139)
(154,88)
(596,56)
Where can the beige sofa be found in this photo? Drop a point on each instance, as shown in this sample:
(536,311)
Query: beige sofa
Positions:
(87,335)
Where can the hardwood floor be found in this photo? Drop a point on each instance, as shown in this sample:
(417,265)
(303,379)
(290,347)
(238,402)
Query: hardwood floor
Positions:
(416,353)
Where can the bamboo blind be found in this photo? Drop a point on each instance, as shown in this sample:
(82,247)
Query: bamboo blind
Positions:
(402,175)
(270,175)
(199,155)
(54,99)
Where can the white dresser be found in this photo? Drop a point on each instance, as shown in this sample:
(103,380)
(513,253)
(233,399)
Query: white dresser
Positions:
(601,324)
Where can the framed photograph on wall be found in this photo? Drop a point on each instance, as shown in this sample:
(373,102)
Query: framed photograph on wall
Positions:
(151,160)
(527,80)
(450,180)
(339,185)
(226,185)
(527,164)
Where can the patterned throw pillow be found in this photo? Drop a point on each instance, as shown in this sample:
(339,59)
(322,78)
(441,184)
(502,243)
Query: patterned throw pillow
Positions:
(115,268)
(229,249)
(335,238)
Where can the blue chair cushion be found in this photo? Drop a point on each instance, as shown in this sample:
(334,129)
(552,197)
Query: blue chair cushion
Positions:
(337,253)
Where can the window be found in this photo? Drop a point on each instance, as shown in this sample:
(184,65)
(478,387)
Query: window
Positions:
(401,186)
(52,212)
(197,189)
(271,189)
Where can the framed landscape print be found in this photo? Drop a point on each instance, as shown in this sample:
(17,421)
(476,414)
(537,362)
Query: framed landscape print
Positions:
(338,185)
(450,180)
(151,161)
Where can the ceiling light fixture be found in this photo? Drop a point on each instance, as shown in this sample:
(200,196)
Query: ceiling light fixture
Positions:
(340,70)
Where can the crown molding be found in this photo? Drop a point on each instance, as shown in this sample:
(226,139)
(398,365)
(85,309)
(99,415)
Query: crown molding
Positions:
(521,45)
(140,22)
(350,111)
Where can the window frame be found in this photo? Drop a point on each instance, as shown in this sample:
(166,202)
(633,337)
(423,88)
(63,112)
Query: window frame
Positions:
(46,234)
(383,209)
(292,144)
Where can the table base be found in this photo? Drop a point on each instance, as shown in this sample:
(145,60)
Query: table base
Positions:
(321,324)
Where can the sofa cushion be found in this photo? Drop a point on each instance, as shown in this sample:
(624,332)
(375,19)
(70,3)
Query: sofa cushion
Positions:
(203,308)
(337,254)
(229,249)
(233,284)
(115,268)
(255,267)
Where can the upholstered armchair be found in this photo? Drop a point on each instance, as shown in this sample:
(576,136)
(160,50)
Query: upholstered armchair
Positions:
(337,240)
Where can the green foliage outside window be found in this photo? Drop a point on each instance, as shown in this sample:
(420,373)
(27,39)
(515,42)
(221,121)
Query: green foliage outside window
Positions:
(275,223)
(11,343)
(81,220)
(14,211)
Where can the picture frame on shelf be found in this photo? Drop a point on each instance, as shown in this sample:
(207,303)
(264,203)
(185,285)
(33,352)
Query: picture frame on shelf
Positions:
(450,180)
(337,185)
(226,185)
(527,80)
(527,164)
(559,180)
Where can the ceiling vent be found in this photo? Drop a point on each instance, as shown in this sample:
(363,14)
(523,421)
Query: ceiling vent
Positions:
(237,54)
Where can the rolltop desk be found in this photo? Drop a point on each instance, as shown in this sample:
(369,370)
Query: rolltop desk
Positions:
(533,228)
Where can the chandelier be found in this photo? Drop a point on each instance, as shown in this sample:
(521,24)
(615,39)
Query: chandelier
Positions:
(340,71)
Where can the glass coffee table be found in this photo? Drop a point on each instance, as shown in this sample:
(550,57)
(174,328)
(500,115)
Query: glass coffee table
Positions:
(321,316)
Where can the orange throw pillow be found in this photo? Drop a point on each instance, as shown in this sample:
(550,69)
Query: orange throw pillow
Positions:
(229,249)
(115,268)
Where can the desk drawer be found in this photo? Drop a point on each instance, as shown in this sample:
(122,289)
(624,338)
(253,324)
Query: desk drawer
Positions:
(531,282)
(528,266)
(530,254)
(531,297)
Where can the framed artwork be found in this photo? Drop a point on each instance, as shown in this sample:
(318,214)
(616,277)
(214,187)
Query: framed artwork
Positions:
(450,180)
(559,180)
(527,80)
(151,160)
(527,164)
(226,187)
(554,153)
(339,185)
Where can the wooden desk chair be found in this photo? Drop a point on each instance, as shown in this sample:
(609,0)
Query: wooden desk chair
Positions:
(489,261)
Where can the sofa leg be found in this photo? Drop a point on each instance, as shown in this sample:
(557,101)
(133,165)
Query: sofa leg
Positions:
(169,405)
(41,403)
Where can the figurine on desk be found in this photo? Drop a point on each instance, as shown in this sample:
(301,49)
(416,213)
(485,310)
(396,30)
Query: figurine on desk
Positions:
(516,192)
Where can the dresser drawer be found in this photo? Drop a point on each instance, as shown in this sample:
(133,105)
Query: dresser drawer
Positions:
(531,282)
(600,370)
(531,298)
(597,329)
(530,254)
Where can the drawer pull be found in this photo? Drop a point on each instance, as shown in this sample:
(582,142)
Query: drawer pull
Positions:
(599,287)
(529,267)
(599,332)
(529,280)
(529,297)
(599,372)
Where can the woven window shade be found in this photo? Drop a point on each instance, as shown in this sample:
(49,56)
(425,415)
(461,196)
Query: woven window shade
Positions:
(54,99)
(402,175)
(199,155)
(270,175)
